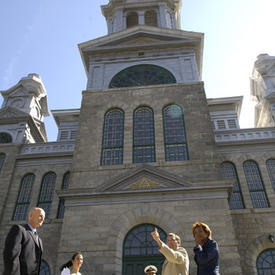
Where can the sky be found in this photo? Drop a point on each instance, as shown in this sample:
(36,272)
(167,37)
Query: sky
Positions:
(42,37)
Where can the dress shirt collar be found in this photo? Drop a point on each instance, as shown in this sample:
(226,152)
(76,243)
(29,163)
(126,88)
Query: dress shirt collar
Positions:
(32,229)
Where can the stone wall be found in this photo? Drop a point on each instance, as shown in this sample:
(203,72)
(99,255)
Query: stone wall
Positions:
(252,226)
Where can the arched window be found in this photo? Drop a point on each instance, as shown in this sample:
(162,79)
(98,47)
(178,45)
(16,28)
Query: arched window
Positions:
(174,133)
(144,136)
(229,172)
(266,262)
(151,18)
(2,159)
(112,140)
(270,164)
(140,250)
(44,268)
(61,206)
(24,198)
(47,192)
(132,20)
(142,75)
(255,184)
(5,138)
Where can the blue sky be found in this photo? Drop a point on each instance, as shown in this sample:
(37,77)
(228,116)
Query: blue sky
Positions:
(42,36)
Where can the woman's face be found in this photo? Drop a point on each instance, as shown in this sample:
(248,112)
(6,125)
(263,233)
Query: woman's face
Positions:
(200,235)
(78,261)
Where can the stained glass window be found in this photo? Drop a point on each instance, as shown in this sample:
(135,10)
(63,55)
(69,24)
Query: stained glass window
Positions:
(44,268)
(47,192)
(266,262)
(2,159)
(151,18)
(61,206)
(24,198)
(270,164)
(5,138)
(113,135)
(174,133)
(144,136)
(131,19)
(140,250)
(229,172)
(255,184)
(142,75)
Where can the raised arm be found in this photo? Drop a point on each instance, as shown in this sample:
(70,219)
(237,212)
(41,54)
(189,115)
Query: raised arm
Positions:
(179,256)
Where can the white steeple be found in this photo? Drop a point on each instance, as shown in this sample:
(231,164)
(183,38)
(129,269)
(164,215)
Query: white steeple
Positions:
(123,14)
(23,110)
(263,90)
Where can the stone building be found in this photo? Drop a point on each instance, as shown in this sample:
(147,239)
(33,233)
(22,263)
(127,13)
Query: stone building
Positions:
(146,149)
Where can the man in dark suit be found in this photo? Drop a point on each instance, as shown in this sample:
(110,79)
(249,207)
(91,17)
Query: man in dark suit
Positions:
(23,247)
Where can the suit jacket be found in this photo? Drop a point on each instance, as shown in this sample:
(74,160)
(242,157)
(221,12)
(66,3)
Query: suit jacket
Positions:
(22,252)
(176,262)
(207,258)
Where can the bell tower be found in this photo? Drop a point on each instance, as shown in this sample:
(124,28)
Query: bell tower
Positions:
(121,15)
(23,111)
(143,33)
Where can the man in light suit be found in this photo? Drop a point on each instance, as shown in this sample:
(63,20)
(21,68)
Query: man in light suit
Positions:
(23,248)
(176,258)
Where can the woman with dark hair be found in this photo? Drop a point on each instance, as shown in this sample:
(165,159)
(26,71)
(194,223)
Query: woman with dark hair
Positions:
(206,250)
(72,267)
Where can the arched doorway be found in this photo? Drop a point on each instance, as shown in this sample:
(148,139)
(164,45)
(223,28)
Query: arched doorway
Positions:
(44,268)
(266,262)
(140,250)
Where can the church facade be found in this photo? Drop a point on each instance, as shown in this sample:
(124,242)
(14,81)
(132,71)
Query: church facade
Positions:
(146,149)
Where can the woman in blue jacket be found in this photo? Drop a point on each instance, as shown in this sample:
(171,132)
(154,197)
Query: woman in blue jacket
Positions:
(206,250)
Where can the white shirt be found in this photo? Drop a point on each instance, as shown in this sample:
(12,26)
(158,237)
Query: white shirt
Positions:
(67,271)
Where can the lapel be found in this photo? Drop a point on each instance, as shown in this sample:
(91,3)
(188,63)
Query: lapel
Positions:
(37,241)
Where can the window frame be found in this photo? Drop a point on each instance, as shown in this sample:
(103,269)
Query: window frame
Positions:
(61,204)
(255,190)
(29,194)
(270,174)
(2,160)
(105,133)
(140,146)
(236,183)
(41,203)
(166,144)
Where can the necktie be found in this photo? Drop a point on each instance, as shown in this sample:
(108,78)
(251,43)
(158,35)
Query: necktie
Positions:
(36,237)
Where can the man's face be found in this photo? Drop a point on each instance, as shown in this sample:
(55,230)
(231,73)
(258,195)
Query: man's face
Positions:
(37,217)
(172,242)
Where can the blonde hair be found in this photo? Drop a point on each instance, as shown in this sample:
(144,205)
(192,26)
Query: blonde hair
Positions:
(204,227)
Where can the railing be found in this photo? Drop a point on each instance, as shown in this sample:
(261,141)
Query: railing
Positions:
(245,134)
(50,147)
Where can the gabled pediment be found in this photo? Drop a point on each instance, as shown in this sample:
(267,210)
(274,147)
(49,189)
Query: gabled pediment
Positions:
(140,35)
(10,112)
(145,178)
(141,38)
(16,91)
